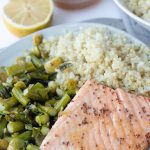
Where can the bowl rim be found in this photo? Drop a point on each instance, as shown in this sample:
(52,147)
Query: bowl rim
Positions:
(131,14)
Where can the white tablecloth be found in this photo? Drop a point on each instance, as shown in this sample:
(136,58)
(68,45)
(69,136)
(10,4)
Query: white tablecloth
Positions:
(104,8)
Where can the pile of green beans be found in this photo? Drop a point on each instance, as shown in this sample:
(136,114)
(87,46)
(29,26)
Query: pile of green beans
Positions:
(30,99)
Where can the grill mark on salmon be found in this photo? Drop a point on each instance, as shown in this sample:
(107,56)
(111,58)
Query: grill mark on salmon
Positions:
(99,139)
(99,105)
(104,133)
(145,107)
(108,143)
(101,118)
(110,124)
(116,119)
(140,114)
(125,125)
(137,129)
(145,119)
(97,136)
(147,115)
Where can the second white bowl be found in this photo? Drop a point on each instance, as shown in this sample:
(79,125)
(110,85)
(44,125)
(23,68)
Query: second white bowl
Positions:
(139,20)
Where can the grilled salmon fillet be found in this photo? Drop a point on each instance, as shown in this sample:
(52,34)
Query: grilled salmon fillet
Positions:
(100,118)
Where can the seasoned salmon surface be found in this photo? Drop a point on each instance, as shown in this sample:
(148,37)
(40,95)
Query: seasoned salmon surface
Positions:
(100,118)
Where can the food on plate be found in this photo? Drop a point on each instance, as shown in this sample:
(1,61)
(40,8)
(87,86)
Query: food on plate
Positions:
(140,7)
(30,99)
(101,118)
(35,90)
(24,17)
(109,58)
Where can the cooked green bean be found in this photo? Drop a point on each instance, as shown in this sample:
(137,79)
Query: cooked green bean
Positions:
(60,92)
(28,127)
(15,126)
(25,78)
(52,86)
(36,51)
(3,91)
(34,109)
(42,119)
(17,108)
(44,53)
(51,102)
(37,135)
(52,76)
(20,84)
(36,92)
(37,62)
(44,130)
(7,104)
(61,104)
(24,117)
(38,75)
(25,135)
(15,69)
(51,65)
(49,110)
(37,39)
(16,144)
(20,68)
(29,67)
(3,125)
(71,92)
(10,80)
(19,96)
(32,147)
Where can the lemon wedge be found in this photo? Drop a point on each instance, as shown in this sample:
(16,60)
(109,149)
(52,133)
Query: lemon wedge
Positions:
(23,17)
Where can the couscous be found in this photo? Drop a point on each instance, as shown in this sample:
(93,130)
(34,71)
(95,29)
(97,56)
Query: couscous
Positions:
(109,58)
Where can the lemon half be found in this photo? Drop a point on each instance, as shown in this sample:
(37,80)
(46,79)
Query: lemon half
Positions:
(23,17)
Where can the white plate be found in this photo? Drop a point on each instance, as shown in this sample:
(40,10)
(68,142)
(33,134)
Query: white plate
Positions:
(8,55)
(139,20)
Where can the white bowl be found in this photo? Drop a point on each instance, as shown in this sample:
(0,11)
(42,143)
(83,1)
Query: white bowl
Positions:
(139,20)
(8,55)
